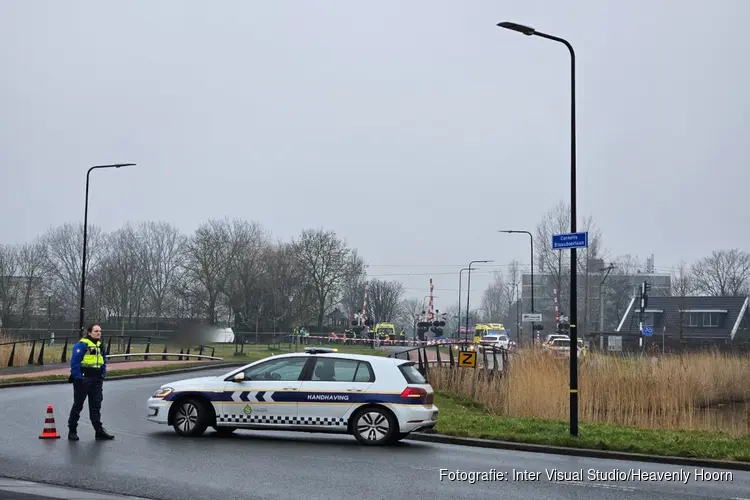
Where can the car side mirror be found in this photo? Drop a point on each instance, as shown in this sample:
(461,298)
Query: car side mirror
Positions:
(239,377)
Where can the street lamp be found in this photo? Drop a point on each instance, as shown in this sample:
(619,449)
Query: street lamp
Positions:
(458,329)
(531,237)
(528,31)
(468,292)
(85,235)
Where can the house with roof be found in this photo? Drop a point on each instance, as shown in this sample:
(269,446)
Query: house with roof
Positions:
(680,323)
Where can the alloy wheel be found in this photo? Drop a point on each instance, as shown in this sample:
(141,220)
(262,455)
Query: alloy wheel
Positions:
(373,426)
(186,417)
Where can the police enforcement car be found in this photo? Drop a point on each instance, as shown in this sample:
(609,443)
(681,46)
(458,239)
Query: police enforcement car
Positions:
(379,400)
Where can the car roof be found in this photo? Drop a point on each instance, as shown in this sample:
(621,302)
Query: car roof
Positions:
(337,355)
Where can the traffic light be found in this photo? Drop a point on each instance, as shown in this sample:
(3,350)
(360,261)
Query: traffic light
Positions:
(645,287)
(538,327)
(563,328)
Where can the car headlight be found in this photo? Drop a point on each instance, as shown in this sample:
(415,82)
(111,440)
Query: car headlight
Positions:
(163,392)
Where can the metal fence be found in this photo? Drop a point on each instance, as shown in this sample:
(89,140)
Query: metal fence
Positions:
(45,350)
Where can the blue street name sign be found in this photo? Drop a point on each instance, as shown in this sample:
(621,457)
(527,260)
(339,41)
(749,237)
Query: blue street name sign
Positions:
(570,240)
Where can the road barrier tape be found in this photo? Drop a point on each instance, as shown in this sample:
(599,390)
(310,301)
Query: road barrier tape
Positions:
(379,342)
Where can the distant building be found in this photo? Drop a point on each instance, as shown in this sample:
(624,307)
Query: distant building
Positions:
(681,321)
(589,304)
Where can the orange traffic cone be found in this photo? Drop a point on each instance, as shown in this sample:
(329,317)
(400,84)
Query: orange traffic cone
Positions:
(50,431)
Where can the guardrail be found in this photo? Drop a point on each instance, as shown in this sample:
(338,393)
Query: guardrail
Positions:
(164,354)
(13,354)
(497,363)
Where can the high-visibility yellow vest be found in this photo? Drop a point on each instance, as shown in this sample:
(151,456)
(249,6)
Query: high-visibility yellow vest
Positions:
(94,357)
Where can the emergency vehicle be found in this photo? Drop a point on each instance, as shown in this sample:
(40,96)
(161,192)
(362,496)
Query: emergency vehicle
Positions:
(376,399)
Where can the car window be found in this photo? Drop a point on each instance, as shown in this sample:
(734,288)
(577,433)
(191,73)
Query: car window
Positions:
(341,370)
(411,374)
(364,373)
(285,369)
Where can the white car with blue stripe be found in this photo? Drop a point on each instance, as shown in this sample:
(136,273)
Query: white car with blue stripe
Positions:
(379,400)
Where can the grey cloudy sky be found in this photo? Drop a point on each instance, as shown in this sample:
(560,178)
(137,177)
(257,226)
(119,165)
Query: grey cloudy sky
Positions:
(413,129)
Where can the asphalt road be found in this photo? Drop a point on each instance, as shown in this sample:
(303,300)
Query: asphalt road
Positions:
(148,460)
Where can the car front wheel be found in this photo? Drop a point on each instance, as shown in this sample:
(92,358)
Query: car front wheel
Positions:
(374,426)
(190,418)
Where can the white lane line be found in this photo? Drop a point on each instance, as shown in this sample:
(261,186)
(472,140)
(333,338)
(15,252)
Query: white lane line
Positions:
(604,486)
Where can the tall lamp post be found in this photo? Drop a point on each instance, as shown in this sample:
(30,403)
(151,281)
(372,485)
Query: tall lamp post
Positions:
(531,237)
(458,329)
(85,235)
(468,292)
(529,31)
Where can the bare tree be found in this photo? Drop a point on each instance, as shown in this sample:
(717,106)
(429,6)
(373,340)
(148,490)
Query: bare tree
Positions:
(682,281)
(161,253)
(495,299)
(208,256)
(64,246)
(324,258)
(289,297)
(9,289)
(245,287)
(556,263)
(32,260)
(723,273)
(385,297)
(407,311)
(120,275)
(353,285)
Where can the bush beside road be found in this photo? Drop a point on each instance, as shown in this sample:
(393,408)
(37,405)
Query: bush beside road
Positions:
(463,418)
(699,391)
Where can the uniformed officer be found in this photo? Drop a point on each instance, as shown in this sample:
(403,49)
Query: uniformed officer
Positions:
(88,367)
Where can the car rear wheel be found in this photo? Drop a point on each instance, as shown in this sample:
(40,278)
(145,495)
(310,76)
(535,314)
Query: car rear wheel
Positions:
(190,418)
(374,426)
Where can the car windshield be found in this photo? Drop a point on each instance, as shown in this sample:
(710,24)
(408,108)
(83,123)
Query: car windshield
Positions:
(386,331)
(497,332)
(561,343)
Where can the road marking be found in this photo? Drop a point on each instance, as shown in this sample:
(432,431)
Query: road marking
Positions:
(604,486)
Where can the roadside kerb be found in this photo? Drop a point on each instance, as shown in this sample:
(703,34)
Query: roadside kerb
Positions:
(127,376)
(578,452)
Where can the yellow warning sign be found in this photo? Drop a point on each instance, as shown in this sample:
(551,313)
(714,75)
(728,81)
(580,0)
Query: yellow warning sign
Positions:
(467,359)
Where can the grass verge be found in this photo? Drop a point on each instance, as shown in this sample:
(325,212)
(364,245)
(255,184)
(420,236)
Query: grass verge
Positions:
(110,374)
(464,418)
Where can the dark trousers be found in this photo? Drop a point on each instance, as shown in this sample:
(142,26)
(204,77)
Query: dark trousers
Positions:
(90,388)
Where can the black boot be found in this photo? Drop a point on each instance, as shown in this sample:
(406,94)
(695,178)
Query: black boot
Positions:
(101,434)
(72,435)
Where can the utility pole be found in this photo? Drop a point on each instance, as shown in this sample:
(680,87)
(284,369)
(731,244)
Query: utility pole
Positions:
(601,296)
(643,292)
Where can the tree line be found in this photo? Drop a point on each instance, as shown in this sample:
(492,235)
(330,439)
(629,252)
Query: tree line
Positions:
(228,272)
(232,272)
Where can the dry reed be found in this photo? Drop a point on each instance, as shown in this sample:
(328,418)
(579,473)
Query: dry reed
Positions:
(672,392)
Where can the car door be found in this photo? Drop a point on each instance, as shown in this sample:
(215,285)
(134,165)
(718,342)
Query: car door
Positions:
(266,396)
(333,386)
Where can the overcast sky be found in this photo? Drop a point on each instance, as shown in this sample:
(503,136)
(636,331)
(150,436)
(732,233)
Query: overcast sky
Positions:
(414,129)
